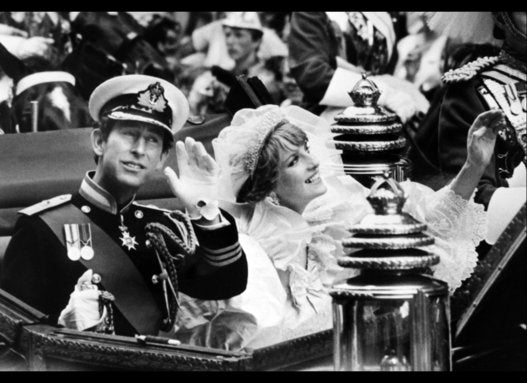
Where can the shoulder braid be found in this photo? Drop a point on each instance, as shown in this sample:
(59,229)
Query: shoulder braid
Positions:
(469,70)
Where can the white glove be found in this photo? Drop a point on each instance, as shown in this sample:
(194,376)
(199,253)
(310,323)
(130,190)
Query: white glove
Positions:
(198,176)
(82,311)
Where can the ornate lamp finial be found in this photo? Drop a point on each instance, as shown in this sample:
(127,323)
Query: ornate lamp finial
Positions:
(387,196)
(365,92)
(390,293)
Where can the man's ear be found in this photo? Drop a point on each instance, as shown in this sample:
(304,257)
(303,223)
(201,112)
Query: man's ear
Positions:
(161,163)
(97,141)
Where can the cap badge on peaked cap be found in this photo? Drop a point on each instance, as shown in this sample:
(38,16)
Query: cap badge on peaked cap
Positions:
(153,98)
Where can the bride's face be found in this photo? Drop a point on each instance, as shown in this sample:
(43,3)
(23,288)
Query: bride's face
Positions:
(299,180)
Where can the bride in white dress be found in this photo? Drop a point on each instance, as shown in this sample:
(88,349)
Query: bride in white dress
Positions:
(283,181)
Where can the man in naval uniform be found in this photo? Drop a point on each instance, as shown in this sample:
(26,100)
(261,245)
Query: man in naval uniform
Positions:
(87,259)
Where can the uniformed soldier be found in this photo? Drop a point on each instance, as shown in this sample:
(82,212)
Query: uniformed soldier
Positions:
(89,260)
(495,82)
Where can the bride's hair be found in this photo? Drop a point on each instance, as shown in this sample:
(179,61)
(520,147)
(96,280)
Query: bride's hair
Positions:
(265,176)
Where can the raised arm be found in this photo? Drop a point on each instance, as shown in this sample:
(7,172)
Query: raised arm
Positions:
(220,269)
(481,139)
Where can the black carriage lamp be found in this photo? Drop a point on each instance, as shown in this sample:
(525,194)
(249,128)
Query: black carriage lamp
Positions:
(370,136)
(391,317)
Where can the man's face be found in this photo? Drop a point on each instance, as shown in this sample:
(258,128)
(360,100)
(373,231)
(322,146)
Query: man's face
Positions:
(132,152)
(240,43)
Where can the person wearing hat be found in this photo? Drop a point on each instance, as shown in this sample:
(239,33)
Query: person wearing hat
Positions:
(89,260)
(243,36)
(207,46)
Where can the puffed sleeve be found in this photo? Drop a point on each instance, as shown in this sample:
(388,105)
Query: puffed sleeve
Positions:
(458,226)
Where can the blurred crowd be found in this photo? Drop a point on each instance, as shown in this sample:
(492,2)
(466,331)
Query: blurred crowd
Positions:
(51,61)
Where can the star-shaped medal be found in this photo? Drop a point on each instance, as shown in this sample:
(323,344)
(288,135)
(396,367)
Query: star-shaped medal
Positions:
(128,241)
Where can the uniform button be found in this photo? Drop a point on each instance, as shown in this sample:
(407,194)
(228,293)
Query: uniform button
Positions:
(85,209)
(96,278)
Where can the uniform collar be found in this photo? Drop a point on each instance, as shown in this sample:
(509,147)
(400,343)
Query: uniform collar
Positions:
(99,197)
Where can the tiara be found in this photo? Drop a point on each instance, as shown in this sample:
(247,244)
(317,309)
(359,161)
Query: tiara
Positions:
(265,125)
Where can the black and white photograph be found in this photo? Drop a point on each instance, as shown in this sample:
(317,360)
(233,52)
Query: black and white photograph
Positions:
(280,191)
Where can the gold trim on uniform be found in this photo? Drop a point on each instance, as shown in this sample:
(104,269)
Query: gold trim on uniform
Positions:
(469,70)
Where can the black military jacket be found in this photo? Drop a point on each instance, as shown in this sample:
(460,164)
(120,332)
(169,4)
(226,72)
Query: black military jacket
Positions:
(38,271)
(461,104)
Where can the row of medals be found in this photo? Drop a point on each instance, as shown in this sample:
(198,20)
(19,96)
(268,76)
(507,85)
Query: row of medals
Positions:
(78,241)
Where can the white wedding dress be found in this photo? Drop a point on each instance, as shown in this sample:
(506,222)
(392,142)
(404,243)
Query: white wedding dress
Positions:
(292,258)
(292,262)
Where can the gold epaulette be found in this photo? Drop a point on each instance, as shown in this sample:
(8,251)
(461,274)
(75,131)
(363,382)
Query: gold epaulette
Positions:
(46,204)
(469,70)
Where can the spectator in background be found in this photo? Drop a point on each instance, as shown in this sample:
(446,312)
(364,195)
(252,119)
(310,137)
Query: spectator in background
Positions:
(243,37)
(111,44)
(43,34)
(23,41)
(165,34)
(328,52)
(209,46)
(420,55)
(243,33)
(423,152)
(40,97)
(496,82)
